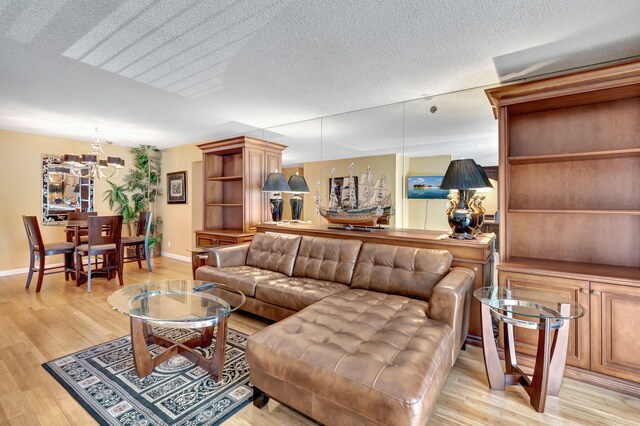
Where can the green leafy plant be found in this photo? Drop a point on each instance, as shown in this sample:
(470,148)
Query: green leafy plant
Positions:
(141,186)
(155,238)
(119,203)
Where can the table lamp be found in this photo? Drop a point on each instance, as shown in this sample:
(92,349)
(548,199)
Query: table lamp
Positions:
(466,177)
(277,184)
(298,186)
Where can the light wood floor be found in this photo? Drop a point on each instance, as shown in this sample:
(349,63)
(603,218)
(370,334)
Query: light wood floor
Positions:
(64,319)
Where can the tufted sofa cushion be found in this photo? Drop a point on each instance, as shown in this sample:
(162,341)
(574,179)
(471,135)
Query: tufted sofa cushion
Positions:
(380,350)
(243,278)
(328,259)
(296,293)
(275,252)
(404,271)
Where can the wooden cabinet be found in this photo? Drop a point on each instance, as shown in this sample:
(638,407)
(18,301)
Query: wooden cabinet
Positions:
(615,330)
(578,353)
(569,163)
(234,171)
(218,238)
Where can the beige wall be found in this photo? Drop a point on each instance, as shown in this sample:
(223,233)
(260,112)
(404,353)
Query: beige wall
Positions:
(426,214)
(490,203)
(180,219)
(20,165)
(320,171)
(21,190)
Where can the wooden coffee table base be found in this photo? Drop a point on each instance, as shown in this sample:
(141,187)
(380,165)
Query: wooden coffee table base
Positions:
(550,359)
(142,335)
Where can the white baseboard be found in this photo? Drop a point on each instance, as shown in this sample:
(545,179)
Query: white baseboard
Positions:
(176,257)
(7,272)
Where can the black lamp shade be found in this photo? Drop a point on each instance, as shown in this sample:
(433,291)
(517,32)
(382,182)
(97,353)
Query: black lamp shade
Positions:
(298,184)
(465,174)
(276,183)
(488,183)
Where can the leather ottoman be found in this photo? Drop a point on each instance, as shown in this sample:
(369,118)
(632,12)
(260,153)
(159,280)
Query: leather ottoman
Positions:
(354,358)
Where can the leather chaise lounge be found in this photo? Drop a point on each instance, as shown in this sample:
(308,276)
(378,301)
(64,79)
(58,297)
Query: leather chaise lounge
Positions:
(366,333)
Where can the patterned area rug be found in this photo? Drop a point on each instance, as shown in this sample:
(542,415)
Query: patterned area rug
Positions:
(103,380)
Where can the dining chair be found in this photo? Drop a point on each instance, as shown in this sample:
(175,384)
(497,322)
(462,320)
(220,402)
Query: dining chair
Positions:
(39,249)
(81,216)
(104,236)
(140,241)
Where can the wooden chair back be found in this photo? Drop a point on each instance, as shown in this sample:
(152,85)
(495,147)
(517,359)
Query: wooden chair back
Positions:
(81,215)
(144,223)
(104,230)
(33,232)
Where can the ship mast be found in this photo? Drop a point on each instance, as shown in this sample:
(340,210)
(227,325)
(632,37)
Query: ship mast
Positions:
(352,189)
(367,188)
(318,198)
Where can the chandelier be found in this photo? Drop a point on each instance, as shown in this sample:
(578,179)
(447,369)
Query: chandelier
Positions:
(90,165)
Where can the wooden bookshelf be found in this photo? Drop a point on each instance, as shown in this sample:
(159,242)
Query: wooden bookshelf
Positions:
(568,211)
(233,174)
(570,204)
(225,178)
(575,156)
(575,270)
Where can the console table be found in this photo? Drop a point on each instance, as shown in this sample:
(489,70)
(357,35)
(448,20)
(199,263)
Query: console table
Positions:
(473,254)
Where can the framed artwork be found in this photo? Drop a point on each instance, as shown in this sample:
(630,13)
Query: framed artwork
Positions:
(426,187)
(177,187)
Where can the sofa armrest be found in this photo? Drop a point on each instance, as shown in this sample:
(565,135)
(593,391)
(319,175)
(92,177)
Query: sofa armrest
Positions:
(450,302)
(231,255)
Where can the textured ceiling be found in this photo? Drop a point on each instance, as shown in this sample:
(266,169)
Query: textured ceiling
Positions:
(170,72)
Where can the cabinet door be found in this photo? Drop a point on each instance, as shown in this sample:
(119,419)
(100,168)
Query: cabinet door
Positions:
(255,201)
(205,240)
(576,290)
(615,325)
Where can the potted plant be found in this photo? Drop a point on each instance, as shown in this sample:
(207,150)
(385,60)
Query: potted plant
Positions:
(142,182)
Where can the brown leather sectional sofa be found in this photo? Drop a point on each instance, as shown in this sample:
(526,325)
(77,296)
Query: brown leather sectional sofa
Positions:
(368,332)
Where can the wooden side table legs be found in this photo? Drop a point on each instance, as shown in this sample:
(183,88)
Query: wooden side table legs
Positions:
(495,375)
(550,359)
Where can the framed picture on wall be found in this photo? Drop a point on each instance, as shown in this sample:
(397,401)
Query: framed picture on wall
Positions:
(426,188)
(177,187)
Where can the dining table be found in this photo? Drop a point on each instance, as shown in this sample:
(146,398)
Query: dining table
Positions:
(74,228)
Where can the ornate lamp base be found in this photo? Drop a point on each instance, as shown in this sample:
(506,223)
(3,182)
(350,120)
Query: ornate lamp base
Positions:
(276,204)
(462,236)
(296,206)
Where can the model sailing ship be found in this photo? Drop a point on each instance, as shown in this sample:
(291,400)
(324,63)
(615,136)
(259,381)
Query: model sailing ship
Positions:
(369,207)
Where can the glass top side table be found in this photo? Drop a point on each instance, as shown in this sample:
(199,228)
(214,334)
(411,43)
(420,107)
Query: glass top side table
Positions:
(196,305)
(534,310)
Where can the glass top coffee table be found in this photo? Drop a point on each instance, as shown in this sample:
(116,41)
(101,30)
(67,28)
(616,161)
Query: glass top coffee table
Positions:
(534,310)
(196,305)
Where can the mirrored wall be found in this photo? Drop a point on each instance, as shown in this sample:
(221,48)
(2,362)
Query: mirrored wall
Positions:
(385,146)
